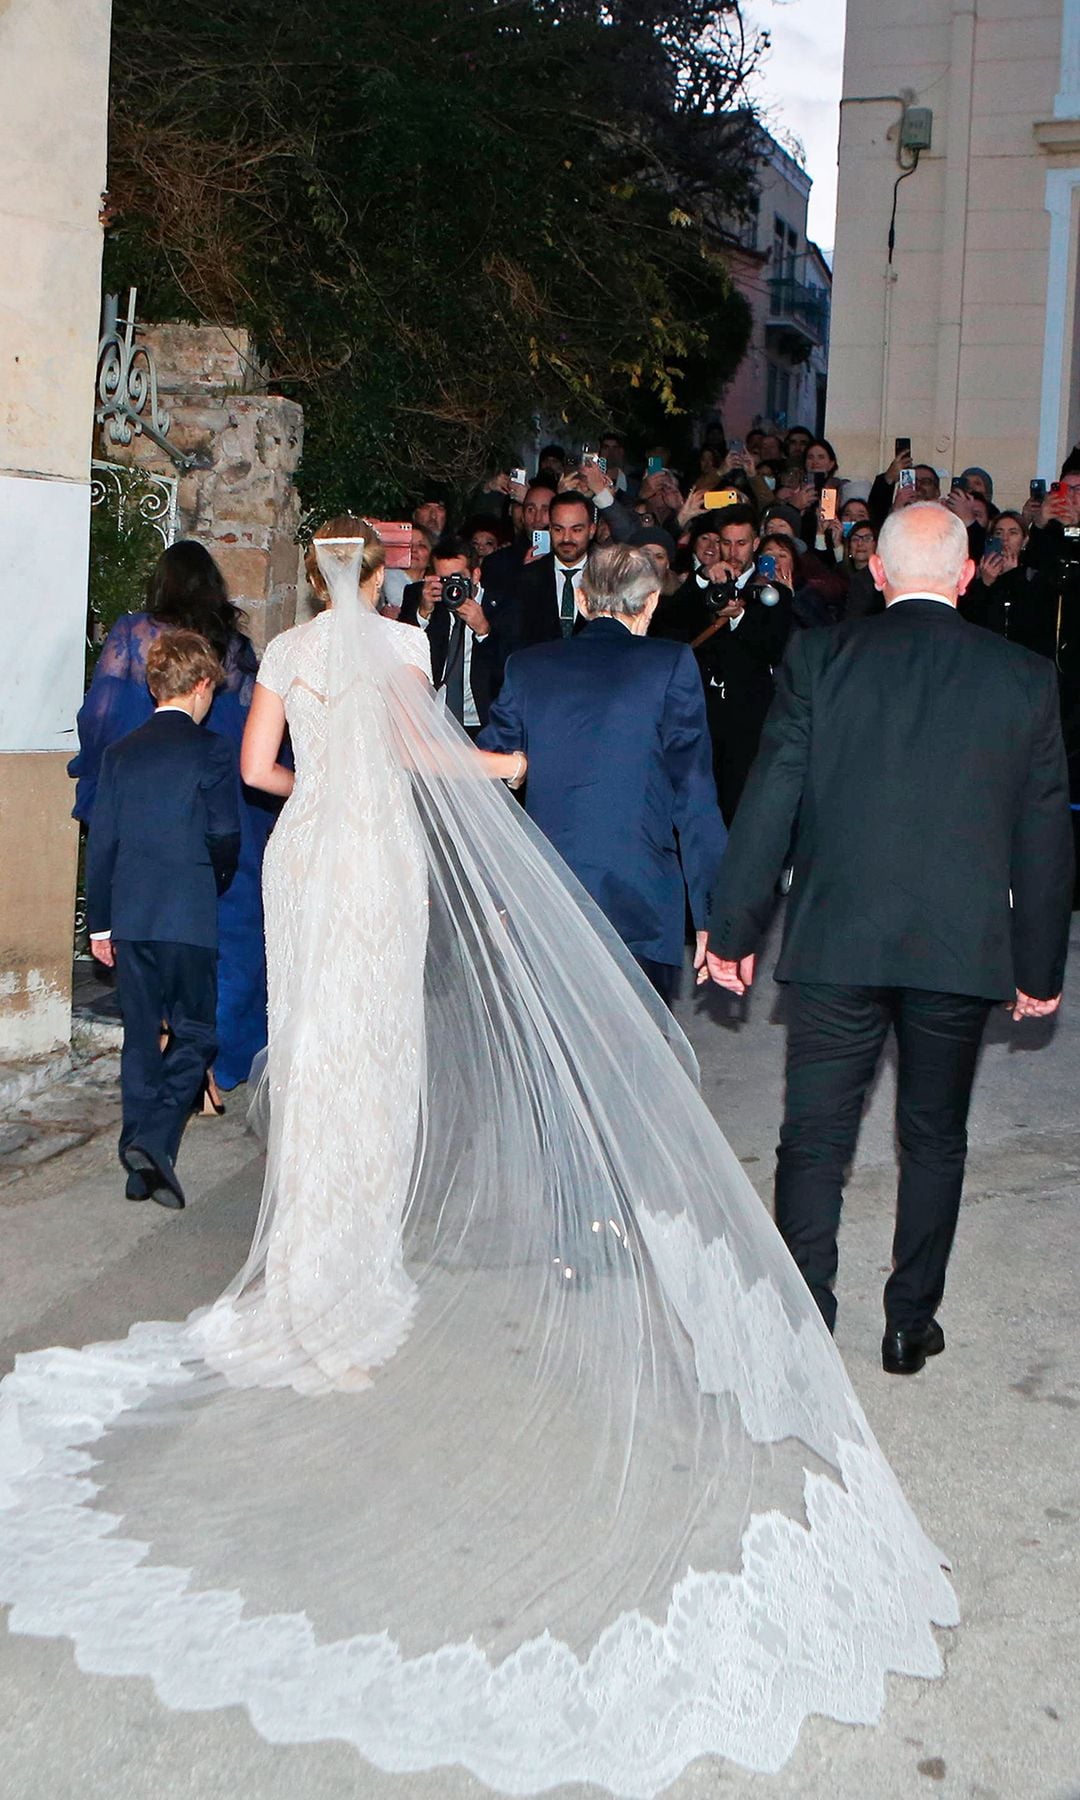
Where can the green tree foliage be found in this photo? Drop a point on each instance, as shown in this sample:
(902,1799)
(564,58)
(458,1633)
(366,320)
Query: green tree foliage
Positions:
(440,217)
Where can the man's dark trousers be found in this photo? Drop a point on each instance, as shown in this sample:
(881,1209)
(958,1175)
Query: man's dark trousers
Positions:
(835,1039)
(177,984)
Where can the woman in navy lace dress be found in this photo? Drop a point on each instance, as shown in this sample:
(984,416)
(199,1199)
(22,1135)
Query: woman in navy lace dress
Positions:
(187,590)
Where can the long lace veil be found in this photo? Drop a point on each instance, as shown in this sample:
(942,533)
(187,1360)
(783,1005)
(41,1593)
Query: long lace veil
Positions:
(604,1500)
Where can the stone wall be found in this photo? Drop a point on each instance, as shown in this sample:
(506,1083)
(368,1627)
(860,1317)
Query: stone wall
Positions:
(242,504)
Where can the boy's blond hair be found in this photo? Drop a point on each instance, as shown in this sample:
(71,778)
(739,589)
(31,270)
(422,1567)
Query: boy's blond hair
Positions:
(176,662)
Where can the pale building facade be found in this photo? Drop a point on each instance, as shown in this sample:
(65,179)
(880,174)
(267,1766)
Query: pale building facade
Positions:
(785,279)
(968,339)
(54,60)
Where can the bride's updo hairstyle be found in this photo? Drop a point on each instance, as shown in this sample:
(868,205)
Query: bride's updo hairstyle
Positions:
(345,525)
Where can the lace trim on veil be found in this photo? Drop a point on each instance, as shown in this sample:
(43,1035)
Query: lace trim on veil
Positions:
(812,1622)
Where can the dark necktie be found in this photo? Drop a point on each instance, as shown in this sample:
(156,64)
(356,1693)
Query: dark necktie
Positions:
(454,679)
(568,605)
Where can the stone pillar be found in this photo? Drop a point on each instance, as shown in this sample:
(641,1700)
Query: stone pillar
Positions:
(54,64)
(241,503)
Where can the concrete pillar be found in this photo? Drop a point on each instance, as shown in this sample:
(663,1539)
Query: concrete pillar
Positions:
(54,63)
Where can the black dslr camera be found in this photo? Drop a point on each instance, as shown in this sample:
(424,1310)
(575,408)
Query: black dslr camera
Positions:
(454,590)
(719,594)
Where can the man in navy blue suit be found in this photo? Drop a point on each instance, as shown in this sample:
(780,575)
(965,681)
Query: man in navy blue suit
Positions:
(620,765)
(163,845)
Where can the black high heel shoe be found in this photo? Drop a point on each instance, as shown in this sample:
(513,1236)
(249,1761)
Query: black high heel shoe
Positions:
(205,1106)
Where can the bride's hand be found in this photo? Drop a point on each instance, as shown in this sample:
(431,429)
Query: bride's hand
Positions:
(509,766)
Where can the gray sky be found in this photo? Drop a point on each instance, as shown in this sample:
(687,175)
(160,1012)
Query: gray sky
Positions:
(800,87)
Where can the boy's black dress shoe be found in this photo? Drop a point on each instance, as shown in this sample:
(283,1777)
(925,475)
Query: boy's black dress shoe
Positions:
(904,1352)
(158,1175)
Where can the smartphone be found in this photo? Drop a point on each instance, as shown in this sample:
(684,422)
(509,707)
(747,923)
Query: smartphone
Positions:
(847,526)
(654,465)
(541,543)
(994,547)
(958,485)
(766,567)
(736,446)
(1038,490)
(590,457)
(396,536)
(819,478)
(717,498)
(829,497)
(518,477)
(906,479)
(901,445)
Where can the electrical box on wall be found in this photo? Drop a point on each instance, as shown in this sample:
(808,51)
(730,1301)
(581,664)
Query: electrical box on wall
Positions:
(917,128)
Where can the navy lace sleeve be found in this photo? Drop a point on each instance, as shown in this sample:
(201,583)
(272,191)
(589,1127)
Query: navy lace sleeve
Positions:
(118,700)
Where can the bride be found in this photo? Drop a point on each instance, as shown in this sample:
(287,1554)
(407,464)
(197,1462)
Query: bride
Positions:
(518,1441)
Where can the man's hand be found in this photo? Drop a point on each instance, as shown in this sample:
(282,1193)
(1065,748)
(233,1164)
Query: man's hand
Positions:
(904,496)
(735,976)
(902,460)
(1024,1007)
(701,944)
(962,505)
(101,949)
(594,479)
(473,614)
(1061,506)
(430,597)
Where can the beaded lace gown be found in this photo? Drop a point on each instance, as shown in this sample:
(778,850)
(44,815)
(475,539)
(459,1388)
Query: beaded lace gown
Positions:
(517,1443)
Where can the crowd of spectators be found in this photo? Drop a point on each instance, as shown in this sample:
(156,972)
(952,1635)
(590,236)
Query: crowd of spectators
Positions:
(755,539)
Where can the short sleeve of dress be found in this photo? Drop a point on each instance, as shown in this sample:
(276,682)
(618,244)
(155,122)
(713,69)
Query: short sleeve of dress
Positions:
(412,646)
(275,669)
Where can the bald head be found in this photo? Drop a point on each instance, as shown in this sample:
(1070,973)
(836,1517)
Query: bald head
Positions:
(923,549)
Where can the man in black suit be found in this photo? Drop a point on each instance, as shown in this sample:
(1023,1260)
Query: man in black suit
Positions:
(504,566)
(164,843)
(542,605)
(920,763)
(738,640)
(459,635)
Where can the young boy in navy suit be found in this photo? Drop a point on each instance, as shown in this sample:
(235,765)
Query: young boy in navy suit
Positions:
(164,842)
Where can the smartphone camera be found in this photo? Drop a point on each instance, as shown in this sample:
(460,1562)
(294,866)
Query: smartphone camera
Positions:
(906,479)
(518,477)
(1038,491)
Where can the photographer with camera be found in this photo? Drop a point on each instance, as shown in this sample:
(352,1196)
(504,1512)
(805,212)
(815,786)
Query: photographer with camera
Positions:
(751,621)
(449,605)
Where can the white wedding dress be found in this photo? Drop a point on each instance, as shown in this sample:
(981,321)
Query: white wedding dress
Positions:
(518,1442)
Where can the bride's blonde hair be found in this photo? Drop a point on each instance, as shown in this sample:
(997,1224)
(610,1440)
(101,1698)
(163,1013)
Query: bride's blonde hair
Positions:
(345,525)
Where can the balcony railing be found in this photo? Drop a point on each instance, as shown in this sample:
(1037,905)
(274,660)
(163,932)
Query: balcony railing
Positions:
(793,304)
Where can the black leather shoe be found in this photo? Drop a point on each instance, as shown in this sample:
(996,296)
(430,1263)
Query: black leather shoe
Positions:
(136,1188)
(158,1175)
(904,1352)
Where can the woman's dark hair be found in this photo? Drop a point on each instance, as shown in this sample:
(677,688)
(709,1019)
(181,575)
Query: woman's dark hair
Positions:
(823,444)
(187,589)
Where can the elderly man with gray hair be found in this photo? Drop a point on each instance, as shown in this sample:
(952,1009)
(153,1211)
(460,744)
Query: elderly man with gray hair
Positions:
(620,765)
(919,763)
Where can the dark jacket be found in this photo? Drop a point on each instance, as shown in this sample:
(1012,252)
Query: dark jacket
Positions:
(439,627)
(528,614)
(920,763)
(620,775)
(165,835)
